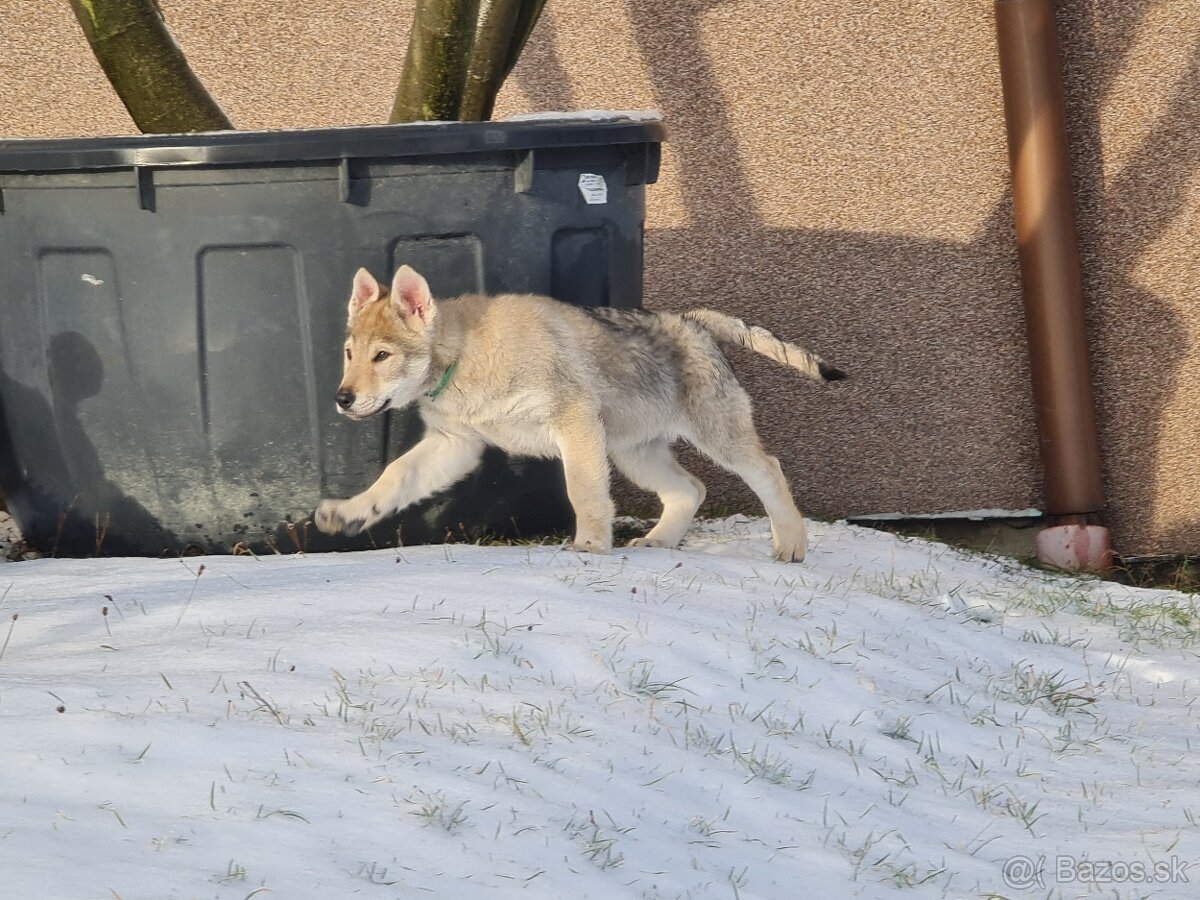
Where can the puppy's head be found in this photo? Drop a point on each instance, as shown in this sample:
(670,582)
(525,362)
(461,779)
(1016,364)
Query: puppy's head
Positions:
(389,343)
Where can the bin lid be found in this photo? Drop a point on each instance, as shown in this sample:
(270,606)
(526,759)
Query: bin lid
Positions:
(222,148)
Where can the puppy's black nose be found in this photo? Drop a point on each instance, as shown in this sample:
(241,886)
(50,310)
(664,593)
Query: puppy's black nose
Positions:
(345,398)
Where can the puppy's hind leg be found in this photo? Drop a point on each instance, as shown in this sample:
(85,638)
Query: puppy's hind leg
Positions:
(653,466)
(729,439)
(762,472)
(580,436)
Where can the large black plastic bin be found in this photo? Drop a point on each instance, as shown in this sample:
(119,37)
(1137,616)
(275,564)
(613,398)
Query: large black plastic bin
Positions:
(172,310)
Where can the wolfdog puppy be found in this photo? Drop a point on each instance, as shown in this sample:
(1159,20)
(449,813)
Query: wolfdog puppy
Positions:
(537,377)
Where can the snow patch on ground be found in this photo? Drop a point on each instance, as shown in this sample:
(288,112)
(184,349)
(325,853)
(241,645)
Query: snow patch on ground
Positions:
(468,722)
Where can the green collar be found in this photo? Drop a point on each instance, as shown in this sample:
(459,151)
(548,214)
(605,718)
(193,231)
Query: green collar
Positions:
(445,380)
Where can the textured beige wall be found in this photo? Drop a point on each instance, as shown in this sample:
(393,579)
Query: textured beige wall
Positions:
(836,171)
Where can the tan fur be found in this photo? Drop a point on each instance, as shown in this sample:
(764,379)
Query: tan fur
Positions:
(536,377)
(756,338)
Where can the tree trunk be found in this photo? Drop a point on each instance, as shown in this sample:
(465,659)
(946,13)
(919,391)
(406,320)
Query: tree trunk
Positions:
(435,68)
(504,27)
(146,67)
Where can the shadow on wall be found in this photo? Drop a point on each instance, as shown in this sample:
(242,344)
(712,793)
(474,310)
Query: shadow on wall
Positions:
(1139,342)
(75,501)
(939,404)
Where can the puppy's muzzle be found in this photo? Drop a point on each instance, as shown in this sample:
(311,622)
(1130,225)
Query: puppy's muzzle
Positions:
(345,398)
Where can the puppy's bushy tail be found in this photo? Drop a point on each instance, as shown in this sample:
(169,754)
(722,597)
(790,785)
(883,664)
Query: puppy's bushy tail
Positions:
(753,337)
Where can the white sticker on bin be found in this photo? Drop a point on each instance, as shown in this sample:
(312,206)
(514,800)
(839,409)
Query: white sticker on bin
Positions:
(593,187)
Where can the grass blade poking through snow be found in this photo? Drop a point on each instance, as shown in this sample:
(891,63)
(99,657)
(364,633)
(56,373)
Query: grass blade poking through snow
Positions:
(192,594)
(8,637)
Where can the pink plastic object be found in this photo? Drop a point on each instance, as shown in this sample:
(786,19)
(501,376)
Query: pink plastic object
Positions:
(1076,548)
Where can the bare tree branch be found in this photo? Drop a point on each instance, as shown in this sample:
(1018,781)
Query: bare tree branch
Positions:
(435,67)
(531,11)
(489,55)
(146,67)
(504,28)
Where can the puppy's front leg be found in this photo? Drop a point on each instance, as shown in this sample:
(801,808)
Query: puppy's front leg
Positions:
(583,447)
(436,462)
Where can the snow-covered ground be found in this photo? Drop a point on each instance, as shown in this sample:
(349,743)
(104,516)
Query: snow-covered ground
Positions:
(890,716)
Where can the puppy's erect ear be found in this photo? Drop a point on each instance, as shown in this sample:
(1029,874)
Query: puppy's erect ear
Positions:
(366,290)
(412,298)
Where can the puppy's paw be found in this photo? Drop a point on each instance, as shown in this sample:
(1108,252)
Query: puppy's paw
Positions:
(591,545)
(337,516)
(790,551)
(646,542)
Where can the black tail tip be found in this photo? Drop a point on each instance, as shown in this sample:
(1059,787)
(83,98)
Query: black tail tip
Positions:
(830,373)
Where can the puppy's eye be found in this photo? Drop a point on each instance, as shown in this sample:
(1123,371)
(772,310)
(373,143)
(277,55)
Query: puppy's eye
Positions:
(381,356)
(347,353)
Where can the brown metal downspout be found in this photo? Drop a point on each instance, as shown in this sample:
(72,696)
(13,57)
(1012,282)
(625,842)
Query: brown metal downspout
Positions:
(1052,285)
